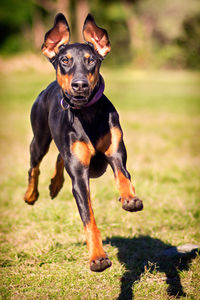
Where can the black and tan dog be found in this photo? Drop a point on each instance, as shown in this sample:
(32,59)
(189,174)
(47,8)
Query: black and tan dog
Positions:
(84,125)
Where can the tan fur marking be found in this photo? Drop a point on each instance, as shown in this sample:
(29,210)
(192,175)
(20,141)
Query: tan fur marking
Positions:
(109,143)
(93,237)
(83,151)
(68,55)
(93,78)
(64,80)
(124,185)
(87,55)
(58,178)
(31,194)
(94,242)
(59,167)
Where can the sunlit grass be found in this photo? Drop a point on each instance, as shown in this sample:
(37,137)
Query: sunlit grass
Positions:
(43,251)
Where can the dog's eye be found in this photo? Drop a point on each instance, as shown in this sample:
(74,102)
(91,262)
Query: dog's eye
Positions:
(91,61)
(65,61)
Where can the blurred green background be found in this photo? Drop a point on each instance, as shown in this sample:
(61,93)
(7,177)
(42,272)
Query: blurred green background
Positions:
(143,33)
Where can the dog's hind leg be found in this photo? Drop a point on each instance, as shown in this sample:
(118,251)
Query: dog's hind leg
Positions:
(58,179)
(38,148)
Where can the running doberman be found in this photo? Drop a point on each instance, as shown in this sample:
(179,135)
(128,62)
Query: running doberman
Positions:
(74,112)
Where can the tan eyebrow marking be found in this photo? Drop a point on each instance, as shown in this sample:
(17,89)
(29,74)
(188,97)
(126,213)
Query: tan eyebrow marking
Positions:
(68,55)
(87,55)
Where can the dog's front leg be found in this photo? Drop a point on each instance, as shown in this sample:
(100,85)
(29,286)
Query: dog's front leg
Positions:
(77,167)
(117,159)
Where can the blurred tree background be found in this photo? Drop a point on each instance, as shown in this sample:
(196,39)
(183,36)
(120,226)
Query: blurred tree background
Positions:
(143,33)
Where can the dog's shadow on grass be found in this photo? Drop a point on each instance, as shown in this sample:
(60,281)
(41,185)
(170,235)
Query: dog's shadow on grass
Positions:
(144,254)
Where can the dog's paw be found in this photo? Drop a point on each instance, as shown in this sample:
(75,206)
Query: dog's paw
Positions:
(100,264)
(31,198)
(55,186)
(133,204)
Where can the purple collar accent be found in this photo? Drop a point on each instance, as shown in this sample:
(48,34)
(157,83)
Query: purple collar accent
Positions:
(98,94)
(96,97)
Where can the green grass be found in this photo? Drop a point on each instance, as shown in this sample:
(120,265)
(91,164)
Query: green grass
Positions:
(43,251)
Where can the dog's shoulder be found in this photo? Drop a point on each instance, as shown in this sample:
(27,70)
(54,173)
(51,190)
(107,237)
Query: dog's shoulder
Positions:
(51,92)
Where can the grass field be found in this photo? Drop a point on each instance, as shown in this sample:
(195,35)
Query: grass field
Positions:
(43,252)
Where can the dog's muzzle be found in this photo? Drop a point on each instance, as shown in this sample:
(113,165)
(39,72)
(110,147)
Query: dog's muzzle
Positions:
(80,86)
(79,101)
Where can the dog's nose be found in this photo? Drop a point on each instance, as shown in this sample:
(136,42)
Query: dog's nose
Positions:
(79,85)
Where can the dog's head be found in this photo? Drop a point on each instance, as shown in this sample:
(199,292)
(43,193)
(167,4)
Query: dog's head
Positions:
(77,65)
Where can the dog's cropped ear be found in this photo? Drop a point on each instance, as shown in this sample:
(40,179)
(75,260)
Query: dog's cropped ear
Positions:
(97,36)
(58,35)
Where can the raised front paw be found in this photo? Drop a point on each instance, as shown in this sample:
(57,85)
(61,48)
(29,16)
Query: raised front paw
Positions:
(100,264)
(132,204)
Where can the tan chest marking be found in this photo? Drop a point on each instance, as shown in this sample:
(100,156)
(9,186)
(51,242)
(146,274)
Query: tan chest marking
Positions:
(83,151)
(109,143)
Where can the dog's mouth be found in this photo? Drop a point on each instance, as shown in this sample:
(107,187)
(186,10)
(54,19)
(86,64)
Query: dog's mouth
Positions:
(77,100)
